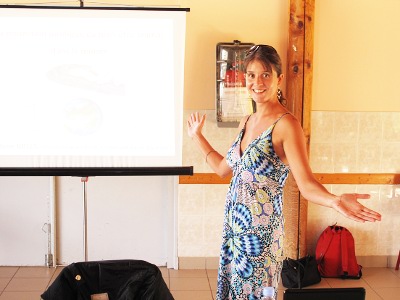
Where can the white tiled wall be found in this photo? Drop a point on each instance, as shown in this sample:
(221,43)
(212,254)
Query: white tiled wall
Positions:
(355,142)
(358,142)
(201,207)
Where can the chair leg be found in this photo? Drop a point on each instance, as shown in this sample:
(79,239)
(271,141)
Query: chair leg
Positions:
(398,262)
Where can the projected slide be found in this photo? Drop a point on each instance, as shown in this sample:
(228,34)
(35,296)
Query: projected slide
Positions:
(91,88)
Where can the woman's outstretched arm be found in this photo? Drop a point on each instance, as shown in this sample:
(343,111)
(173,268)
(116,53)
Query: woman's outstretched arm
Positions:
(296,154)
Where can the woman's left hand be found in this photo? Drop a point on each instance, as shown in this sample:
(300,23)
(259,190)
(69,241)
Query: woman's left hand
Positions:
(195,124)
(349,206)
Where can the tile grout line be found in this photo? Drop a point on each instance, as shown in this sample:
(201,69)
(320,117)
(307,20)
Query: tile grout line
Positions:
(366,282)
(169,280)
(209,285)
(8,283)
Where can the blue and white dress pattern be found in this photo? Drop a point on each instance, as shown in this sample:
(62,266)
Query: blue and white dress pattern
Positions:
(252,243)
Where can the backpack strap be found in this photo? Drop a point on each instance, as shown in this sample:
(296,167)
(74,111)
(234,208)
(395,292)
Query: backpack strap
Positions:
(326,232)
(346,235)
(345,252)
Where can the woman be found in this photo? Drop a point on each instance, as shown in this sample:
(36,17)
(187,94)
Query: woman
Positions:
(270,142)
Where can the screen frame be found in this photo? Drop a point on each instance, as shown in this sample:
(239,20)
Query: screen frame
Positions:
(97,7)
(96,171)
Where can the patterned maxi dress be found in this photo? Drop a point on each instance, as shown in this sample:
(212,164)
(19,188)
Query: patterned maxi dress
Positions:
(252,243)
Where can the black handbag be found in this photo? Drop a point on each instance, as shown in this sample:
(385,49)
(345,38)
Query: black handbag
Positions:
(299,273)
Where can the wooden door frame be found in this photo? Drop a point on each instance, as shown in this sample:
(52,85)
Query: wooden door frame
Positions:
(299,94)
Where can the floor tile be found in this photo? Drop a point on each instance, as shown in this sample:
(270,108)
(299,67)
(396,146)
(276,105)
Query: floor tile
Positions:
(338,282)
(34,272)
(212,273)
(8,271)
(3,283)
(164,272)
(381,278)
(186,295)
(213,283)
(20,296)
(27,285)
(189,284)
(395,272)
(187,273)
(388,293)
(370,294)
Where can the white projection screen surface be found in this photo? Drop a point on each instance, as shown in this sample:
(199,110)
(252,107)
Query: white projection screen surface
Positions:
(91,87)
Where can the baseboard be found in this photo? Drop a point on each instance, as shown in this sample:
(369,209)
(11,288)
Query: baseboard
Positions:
(211,263)
(392,260)
(198,263)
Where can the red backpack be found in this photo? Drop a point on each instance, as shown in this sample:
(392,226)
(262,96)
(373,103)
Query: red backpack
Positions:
(335,254)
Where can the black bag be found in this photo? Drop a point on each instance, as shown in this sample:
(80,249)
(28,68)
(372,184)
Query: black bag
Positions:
(300,273)
(111,280)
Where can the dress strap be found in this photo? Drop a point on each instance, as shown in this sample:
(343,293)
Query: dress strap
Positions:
(245,123)
(248,117)
(286,113)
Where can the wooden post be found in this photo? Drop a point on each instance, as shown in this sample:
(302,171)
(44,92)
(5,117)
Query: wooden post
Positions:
(307,101)
(298,93)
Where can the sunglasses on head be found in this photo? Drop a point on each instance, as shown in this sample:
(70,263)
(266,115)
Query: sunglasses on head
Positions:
(255,48)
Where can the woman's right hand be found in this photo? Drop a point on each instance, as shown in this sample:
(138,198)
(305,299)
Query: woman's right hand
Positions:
(195,124)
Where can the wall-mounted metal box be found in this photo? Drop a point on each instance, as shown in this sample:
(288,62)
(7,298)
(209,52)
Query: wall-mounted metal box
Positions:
(232,99)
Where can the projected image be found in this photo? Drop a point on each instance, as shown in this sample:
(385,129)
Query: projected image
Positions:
(86,77)
(93,87)
(82,117)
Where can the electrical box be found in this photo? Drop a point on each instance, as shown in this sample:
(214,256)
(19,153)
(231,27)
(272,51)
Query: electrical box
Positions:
(232,99)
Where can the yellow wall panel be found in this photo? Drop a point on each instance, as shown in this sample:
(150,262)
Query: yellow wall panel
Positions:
(356,55)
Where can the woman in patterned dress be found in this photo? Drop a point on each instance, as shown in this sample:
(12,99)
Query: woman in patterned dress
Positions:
(269,143)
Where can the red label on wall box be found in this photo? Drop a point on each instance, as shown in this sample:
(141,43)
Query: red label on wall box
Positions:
(234,78)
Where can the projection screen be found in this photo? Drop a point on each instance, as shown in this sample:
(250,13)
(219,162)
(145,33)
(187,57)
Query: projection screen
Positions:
(91,87)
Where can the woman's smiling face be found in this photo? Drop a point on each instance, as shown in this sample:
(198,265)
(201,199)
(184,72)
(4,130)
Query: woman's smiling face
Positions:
(262,83)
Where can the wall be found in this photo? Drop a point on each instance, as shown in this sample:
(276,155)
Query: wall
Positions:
(355,128)
(356,59)
(212,22)
(356,116)
(358,142)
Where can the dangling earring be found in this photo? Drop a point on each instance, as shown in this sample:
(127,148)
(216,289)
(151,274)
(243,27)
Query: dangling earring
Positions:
(279,93)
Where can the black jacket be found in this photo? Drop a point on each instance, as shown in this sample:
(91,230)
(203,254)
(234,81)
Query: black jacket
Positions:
(118,279)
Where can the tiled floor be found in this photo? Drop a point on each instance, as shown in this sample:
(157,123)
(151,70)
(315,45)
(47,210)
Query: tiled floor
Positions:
(28,283)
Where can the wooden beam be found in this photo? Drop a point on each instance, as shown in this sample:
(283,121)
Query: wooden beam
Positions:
(324,178)
(308,69)
(295,59)
(296,209)
(204,178)
(357,178)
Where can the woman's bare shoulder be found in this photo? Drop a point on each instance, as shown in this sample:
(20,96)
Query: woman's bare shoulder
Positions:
(288,124)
